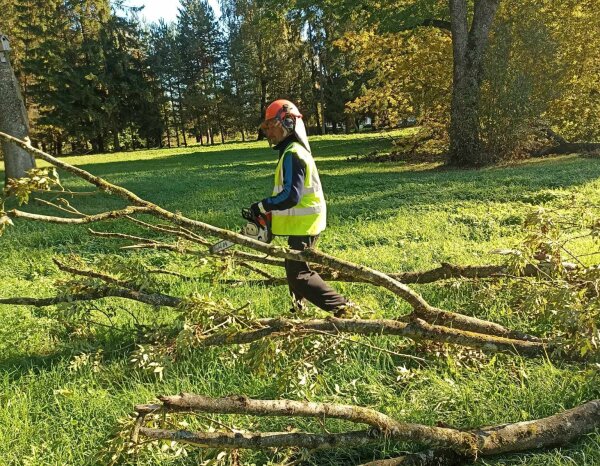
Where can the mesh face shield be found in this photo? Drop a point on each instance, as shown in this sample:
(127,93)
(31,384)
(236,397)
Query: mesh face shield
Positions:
(300,132)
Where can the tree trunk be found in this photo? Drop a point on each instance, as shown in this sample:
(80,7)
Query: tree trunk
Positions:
(322,95)
(168,130)
(116,142)
(469,51)
(181,118)
(263,104)
(13,121)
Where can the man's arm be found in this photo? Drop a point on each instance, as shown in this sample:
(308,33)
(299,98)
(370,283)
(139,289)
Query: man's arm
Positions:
(294,172)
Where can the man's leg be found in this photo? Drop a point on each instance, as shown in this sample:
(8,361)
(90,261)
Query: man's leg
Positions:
(306,283)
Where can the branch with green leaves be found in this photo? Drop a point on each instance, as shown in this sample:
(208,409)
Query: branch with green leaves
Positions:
(411,326)
(421,308)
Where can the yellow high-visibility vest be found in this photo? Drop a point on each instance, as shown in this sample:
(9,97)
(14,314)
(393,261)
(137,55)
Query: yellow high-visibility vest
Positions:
(309,217)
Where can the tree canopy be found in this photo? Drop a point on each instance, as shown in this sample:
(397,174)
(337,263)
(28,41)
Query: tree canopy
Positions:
(96,78)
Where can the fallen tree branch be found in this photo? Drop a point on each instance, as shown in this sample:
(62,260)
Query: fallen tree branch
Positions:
(564,146)
(420,306)
(438,457)
(416,330)
(92,274)
(447,271)
(181,232)
(167,247)
(260,441)
(386,425)
(172,274)
(555,430)
(80,220)
(153,299)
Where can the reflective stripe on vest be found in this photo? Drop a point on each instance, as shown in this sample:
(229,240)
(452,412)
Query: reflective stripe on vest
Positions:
(309,216)
(305,190)
(300,211)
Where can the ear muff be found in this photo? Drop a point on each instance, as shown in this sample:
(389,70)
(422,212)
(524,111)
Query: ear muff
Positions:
(286,118)
(288,123)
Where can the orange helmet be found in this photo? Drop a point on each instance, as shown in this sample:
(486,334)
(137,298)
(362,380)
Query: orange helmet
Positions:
(282,109)
(290,118)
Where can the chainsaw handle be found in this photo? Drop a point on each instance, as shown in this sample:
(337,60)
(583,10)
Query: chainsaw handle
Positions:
(263,220)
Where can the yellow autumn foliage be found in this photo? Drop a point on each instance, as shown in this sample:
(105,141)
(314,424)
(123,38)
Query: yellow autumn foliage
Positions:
(410,74)
(542,69)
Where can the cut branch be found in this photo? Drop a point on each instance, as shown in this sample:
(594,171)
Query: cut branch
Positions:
(555,430)
(386,425)
(80,220)
(438,457)
(94,295)
(415,330)
(420,306)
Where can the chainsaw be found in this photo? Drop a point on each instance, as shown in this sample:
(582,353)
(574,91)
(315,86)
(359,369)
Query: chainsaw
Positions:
(258,228)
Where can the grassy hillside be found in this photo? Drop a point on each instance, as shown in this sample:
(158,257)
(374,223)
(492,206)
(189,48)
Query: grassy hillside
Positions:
(56,408)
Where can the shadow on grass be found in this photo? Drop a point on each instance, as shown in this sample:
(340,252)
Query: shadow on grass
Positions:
(216,189)
(213,186)
(120,344)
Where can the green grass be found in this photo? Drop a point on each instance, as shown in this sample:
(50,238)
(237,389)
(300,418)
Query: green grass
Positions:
(390,216)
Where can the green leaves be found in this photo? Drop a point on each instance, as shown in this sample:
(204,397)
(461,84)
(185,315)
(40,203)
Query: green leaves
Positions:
(37,179)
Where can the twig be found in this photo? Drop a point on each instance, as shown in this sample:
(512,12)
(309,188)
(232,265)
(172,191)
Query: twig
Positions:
(74,221)
(376,348)
(56,206)
(258,271)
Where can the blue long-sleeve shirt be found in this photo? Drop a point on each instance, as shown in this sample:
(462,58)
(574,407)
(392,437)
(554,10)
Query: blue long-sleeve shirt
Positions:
(294,173)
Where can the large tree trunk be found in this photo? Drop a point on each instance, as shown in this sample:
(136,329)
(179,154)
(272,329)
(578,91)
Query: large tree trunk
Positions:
(13,121)
(263,104)
(469,52)
(116,141)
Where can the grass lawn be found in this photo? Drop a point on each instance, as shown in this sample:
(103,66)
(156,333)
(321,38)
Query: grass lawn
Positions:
(59,408)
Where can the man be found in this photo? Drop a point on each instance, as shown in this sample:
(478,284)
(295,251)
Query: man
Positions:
(297,205)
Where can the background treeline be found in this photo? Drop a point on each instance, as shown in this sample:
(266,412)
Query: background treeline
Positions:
(95,78)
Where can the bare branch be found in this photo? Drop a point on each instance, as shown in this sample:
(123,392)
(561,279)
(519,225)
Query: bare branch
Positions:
(103,234)
(76,221)
(429,458)
(555,430)
(417,330)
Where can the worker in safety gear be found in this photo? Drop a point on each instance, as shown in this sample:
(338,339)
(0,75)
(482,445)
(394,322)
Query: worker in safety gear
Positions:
(297,205)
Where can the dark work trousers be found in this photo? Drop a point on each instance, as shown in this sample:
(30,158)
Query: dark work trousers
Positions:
(306,283)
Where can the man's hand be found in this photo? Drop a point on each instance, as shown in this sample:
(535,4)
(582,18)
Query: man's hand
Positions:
(257,209)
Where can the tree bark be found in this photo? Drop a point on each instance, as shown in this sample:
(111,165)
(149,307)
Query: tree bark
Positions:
(13,121)
(555,430)
(428,458)
(468,48)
